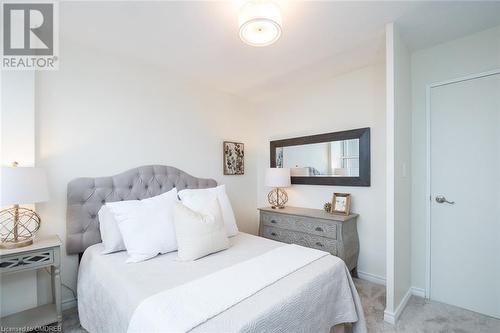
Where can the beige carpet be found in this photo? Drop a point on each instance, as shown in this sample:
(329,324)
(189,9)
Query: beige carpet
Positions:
(419,316)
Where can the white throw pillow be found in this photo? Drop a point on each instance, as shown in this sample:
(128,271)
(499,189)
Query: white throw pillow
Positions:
(110,233)
(147,226)
(198,199)
(199,233)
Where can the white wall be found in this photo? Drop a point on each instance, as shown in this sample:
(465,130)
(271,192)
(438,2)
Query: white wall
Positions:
(471,54)
(349,101)
(402,170)
(18,117)
(98,116)
(18,291)
(398,173)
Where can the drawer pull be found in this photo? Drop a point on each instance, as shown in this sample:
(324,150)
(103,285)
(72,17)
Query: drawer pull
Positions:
(319,229)
(319,244)
(274,221)
(273,234)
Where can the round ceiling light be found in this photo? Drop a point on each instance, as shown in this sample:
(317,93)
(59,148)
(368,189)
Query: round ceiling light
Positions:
(260,23)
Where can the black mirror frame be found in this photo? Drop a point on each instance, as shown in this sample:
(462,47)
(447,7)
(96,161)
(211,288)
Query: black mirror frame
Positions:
(363,134)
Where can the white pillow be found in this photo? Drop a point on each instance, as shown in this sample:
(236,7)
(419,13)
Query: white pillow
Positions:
(198,199)
(147,226)
(199,233)
(110,233)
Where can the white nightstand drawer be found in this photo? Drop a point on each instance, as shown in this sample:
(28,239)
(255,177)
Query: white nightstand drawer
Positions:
(27,260)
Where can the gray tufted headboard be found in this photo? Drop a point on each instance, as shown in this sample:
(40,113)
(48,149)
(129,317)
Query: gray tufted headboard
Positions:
(87,195)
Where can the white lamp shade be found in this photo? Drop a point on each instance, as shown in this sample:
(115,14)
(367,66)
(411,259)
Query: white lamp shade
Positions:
(23,185)
(277,177)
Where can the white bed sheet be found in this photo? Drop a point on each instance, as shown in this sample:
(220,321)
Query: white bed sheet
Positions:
(312,299)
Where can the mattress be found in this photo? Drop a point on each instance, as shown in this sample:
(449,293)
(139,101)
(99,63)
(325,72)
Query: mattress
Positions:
(312,299)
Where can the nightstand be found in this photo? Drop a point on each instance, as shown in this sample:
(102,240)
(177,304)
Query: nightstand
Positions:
(44,252)
(313,228)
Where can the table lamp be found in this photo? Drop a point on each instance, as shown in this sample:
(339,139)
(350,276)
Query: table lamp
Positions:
(20,185)
(277,178)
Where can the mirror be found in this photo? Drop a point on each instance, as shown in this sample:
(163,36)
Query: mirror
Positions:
(339,158)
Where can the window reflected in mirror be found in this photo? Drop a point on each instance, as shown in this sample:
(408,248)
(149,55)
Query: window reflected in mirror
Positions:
(324,159)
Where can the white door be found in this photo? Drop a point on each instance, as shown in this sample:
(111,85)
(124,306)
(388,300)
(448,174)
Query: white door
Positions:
(465,169)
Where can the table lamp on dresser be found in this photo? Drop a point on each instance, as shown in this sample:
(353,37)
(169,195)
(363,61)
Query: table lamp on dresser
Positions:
(20,185)
(278,178)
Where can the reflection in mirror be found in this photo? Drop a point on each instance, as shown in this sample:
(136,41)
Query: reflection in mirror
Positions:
(324,159)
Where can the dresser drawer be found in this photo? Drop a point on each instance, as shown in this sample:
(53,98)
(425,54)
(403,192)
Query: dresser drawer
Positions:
(27,260)
(300,223)
(299,238)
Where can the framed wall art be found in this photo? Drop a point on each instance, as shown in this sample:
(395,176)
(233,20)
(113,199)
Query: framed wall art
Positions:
(234,158)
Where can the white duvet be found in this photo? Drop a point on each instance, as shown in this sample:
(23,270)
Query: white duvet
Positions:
(312,298)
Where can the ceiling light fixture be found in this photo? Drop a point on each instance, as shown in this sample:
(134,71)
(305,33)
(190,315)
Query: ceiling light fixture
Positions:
(260,23)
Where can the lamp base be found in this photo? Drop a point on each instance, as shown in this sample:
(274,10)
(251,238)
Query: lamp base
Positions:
(15,245)
(18,227)
(277,198)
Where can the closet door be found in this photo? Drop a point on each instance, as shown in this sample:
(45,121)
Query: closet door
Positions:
(465,194)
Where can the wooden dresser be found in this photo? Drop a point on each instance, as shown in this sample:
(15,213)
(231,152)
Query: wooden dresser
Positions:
(313,228)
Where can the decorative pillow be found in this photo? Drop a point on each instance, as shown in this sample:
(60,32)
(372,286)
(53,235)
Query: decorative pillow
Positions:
(198,199)
(110,233)
(199,233)
(147,226)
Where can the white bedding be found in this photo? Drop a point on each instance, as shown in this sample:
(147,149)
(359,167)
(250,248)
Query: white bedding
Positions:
(312,299)
(184,307)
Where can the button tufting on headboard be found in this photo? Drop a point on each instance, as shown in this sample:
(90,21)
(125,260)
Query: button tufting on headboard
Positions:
(87,195)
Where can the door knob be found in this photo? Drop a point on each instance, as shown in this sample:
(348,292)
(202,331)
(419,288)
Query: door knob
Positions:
(441,199)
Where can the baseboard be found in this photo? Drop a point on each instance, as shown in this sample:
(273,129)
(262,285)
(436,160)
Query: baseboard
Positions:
(419,292)
(371,278)
(392,317)
(68,304)
(389,317)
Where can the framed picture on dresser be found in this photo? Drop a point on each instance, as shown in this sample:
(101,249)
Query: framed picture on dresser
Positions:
(234,158)
(341,203)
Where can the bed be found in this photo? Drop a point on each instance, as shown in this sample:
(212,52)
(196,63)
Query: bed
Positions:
(313,298)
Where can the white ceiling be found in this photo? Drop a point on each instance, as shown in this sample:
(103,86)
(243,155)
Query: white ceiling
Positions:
(199,39)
